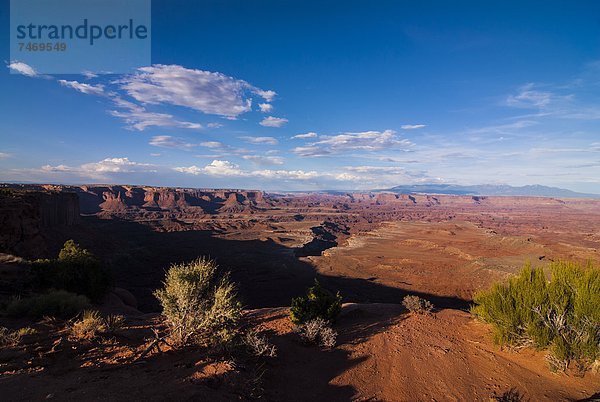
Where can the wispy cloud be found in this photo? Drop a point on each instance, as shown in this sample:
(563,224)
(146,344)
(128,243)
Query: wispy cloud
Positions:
(264,160)
(368,141)
(166,141)
(138,118)
(259,140)
(412,126)
(83,88)
(305,136)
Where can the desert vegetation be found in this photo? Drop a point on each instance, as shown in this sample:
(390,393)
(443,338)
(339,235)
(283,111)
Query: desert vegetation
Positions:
(53,303)
(75,270)
(10,338)
(558,312)
(317,332)
(92,323)
(416,304)
(200,304)
(317,303)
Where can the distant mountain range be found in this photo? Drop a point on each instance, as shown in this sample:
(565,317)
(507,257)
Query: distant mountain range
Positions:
(490,189)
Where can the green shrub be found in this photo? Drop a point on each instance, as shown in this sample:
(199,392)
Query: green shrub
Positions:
(318,303)
(55,303)
(76,270)
(200,306)
(560,314)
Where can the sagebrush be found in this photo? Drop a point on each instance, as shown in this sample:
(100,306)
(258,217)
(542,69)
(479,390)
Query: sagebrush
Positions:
(317,303)
(416,304)
(560,314)
(317,332)
(258,345)
(199,304)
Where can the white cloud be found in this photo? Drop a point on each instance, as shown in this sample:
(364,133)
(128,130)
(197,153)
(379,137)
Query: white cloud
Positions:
(98,170)
(83,88)
(205,91)
(89,74)
(22,68)
(214,125)
(212,144)
(225,168)
(273,121)
(265,107)
(412,126)
(528,97)
(138,118)
(307,135)
(266,95)
(264,160)
(114,165)
(4,155)
(215,168)
(364,141)
(260,140)
(166,141)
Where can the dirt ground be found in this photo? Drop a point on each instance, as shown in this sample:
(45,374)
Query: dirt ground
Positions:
(383,354)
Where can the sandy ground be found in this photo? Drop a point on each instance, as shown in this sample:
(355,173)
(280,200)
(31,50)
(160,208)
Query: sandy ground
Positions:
(383,354)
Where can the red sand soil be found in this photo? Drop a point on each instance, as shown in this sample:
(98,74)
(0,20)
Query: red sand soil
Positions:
(383,353)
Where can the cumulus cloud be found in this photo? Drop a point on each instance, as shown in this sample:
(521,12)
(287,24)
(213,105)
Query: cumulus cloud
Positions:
(215,168)
(225,168)
(264,160)
(114,165)
(22,68)
(412,126)
(363,141)
(265,107)
(166,141)
(260,140)
(205,91)
(83,88)
(273,121)
(306,135)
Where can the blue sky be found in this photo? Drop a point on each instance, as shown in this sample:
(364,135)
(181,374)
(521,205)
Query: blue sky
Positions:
(283,95)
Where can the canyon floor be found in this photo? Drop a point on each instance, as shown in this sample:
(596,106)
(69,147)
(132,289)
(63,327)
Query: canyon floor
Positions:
(373,248)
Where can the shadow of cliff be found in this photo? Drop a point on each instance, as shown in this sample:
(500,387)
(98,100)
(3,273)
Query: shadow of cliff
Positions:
(268,274)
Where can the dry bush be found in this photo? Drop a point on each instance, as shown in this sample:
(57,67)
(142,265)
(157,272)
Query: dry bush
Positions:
(560,314)
(258,345)
(90,324)
(199,305)
(416,304)
(10,338)
(114,322)
(512,395)
(317,331)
